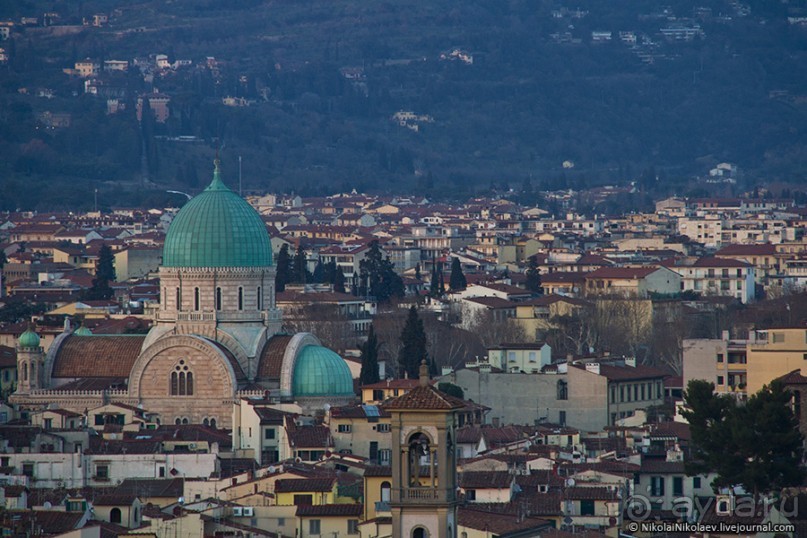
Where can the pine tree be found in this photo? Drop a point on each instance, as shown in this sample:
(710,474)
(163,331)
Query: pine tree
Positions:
(413,338)
(534,277)
(757,445)
(283,267)
(104,274)
(457,280)
(369,359)
(434,283)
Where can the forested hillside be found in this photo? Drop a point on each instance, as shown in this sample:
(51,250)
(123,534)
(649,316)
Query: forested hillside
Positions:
(522,93)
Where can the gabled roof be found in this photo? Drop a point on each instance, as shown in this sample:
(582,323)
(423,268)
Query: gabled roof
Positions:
(766,249)
(501,525)
(151,487)
(719,262)
(424,397)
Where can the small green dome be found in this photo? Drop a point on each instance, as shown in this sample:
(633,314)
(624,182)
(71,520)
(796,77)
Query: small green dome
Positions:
(82,331)
(29,339)
(217,228)
(318,371)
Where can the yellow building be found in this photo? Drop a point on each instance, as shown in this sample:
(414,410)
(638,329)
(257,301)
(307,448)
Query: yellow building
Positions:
(328,520)
(311,491)
(774,353)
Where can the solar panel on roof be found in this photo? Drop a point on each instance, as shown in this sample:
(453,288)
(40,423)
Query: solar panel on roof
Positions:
(370,410)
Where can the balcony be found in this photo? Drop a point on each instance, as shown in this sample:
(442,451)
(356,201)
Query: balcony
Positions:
(382,506)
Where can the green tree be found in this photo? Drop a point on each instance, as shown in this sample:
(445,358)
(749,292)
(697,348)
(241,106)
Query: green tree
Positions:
(338,279)
(413,338)
(299,270)
(534,277)
(378,275)
(104,274)
(451,389)
(369,359)
(457,279)
(757,445)
(283,268)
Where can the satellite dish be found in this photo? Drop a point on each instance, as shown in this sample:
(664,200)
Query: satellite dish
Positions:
(47,505)
(181,500)
(570,482)
(271,469)
(527,445)
(327,407)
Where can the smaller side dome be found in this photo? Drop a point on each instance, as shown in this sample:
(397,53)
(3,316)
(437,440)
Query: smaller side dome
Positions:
(29,339)
(82,331)
(318,371)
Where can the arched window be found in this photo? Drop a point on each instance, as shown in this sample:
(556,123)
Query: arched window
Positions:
(181,380)
(218,298)
(419,457)
(178,421)
(136,515)
(240,298)
(179,299)
(185,420)
(419,532)
(196,298)
(25,371)
(260,299)
(563,390)
(386,489)
(114,515)
(206,422)
(213,423)
(33,371)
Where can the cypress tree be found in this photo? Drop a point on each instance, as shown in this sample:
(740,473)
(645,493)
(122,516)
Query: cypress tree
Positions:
(283,264)
(298,270)
(369,359)
(339,281)
(457,280)
(534,277)
(413,338)
(104,274)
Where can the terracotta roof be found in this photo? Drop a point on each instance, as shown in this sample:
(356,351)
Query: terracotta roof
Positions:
(378,470)
(393,384)
(793,378)
(124,499)
(485,479)
(719,262)
(627,373)
(297,485)
(151,487)
(330,510)
(271,361)
(561,277)
(53,522)
(660,465)
(97,356)
(310,437)
(583,493)
(622,273)
(239,373)
(501,525)
(766,249)
(425,398)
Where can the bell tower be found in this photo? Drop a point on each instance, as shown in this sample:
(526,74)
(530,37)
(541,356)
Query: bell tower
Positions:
(424,467)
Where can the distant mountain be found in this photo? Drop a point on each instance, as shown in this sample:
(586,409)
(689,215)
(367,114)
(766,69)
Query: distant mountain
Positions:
(434,96)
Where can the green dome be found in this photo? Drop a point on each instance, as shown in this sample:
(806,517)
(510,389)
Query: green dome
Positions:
(318,371)
(217,228)
(28,339)
(82,331)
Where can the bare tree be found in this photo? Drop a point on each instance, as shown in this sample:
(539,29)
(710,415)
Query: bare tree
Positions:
(493,331)
(324,321)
